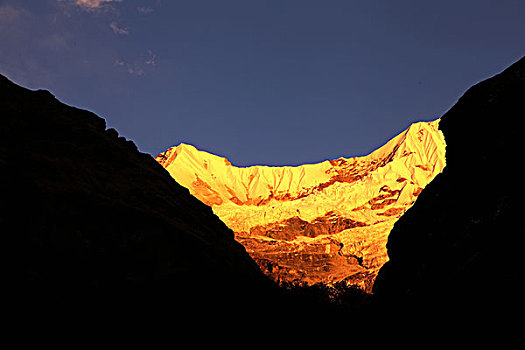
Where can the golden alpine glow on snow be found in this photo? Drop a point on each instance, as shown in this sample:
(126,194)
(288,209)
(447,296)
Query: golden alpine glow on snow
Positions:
(324,222)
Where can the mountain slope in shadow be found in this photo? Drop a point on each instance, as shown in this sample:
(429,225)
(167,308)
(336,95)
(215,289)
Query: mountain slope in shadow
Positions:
(458,250)
(98,225)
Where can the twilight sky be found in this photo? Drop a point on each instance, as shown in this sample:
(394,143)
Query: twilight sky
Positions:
(261,82)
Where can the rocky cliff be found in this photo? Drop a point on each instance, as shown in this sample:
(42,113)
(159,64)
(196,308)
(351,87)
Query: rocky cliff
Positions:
(316,223)
(458,248)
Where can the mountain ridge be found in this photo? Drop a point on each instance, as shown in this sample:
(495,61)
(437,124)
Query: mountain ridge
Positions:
(320,205)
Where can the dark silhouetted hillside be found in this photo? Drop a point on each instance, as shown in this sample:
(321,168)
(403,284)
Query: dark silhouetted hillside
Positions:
(100,226)
(458,250)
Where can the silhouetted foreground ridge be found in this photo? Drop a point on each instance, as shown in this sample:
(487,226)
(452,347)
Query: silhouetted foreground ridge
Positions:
(101,226)
(458,248)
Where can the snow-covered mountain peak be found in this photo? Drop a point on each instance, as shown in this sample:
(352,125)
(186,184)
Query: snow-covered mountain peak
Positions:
(337,213)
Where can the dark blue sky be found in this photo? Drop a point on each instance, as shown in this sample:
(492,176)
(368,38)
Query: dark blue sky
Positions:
(261,82)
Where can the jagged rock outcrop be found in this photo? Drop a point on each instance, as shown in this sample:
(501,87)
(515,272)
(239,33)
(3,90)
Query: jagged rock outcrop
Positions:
(101,226)
(315,223)
(458,250)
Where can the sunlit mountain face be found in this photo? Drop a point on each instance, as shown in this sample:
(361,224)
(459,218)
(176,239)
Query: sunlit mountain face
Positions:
(316,223)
